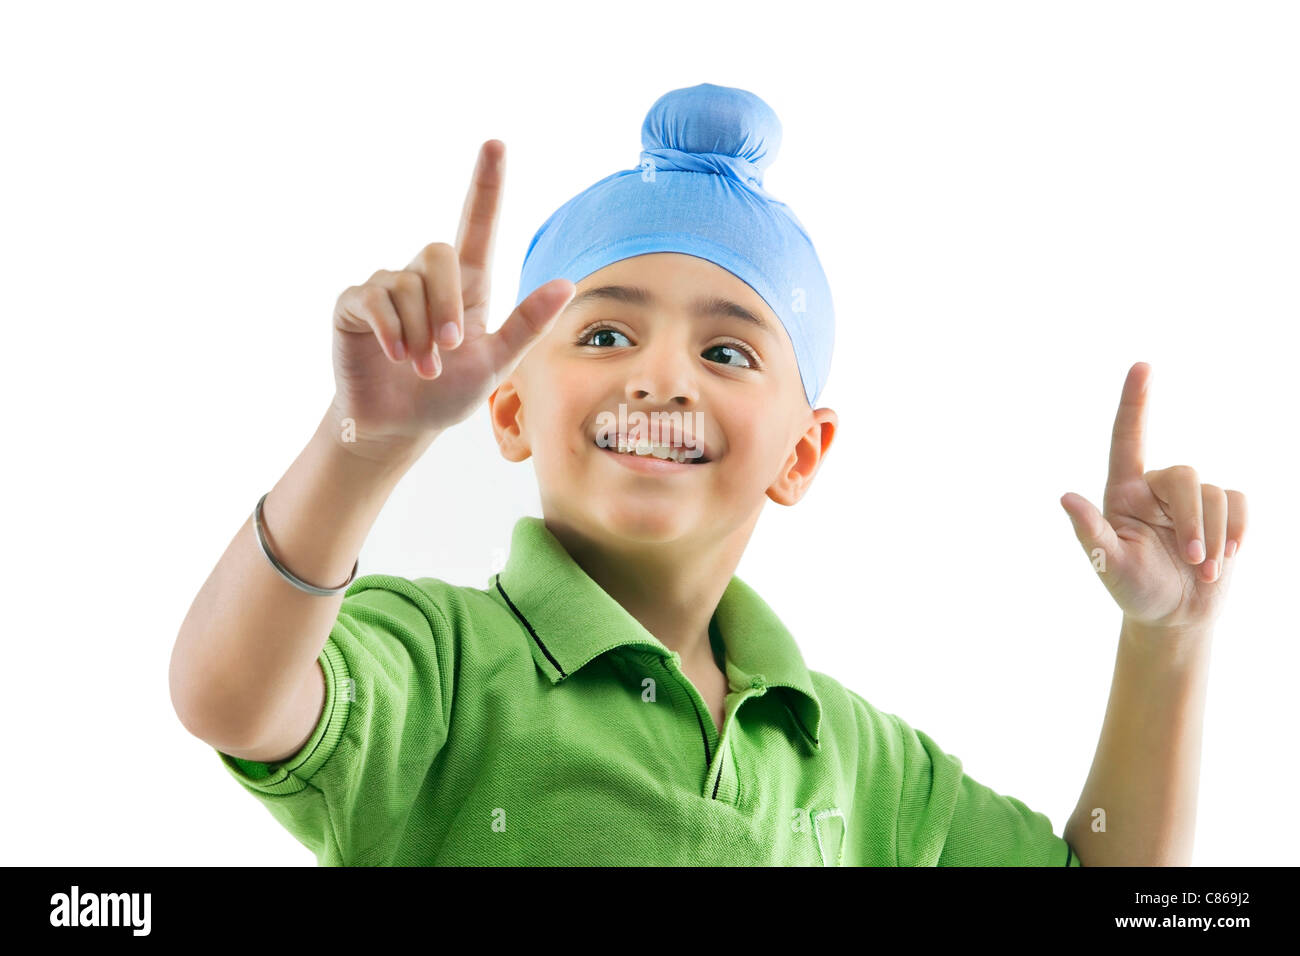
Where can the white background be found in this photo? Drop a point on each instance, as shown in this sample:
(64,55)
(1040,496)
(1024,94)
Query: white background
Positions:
(1014,202)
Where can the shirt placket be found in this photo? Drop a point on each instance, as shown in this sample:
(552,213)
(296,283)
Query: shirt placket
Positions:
(721,780)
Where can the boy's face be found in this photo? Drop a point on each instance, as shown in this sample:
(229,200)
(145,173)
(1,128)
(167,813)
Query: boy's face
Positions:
(746,412)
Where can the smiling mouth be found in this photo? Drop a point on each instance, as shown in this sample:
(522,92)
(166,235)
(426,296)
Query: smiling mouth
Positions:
(674,454)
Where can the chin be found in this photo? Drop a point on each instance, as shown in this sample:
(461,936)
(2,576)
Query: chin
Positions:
(648,521)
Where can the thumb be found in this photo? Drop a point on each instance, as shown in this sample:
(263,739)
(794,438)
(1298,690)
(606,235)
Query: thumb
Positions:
(1090,527)
(530,320)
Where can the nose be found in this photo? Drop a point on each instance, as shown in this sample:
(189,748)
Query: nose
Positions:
(663,374)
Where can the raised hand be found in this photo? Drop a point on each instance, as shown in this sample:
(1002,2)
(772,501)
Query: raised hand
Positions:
(396,385)
(1164,545)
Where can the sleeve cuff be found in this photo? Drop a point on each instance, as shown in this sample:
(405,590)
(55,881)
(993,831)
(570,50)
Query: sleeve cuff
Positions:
(292,774)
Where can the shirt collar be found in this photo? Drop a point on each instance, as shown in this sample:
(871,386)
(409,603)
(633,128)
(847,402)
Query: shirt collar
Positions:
(572,620)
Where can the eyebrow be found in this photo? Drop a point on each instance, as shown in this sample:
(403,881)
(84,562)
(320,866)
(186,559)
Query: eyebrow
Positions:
(702,307)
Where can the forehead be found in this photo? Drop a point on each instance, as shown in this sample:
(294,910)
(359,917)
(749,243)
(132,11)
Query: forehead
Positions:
(677,282)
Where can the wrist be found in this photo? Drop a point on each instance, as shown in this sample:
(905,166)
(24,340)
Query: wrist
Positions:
(1176,645)
(378,457)
(1165,631)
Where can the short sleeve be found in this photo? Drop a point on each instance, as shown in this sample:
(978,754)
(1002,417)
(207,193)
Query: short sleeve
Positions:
(947,818)
(388,664)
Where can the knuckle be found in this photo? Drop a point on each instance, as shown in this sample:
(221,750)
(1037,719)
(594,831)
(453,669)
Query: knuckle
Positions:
(436,252)
(374,297)
(408,282)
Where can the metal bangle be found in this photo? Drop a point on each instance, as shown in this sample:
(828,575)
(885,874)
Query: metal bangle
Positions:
(288,575)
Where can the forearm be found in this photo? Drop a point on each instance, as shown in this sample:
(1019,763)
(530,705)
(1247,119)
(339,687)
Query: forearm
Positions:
(1146,770)
(250,636)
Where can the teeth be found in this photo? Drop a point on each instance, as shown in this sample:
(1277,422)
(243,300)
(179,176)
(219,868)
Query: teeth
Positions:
(644,447)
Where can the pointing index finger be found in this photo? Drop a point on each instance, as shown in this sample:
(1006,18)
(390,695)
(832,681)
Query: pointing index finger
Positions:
(1127,437)
(479,216)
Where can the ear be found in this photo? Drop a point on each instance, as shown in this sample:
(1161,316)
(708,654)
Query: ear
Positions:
(506,412)
(799,469)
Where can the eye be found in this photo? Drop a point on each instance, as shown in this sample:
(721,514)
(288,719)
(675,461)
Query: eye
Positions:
(597,330)
(739,349)
(589,334)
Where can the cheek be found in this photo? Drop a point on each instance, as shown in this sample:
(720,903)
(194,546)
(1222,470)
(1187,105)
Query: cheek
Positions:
(759,458)
(562,445)
(557,452)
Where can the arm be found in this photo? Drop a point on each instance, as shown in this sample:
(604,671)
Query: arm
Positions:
(1147,766)
(1165,546)
(243,671)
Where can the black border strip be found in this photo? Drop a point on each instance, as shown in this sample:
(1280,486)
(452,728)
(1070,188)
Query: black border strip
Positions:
(548,654)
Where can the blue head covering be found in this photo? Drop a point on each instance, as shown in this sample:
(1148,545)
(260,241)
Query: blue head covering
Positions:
(699,190)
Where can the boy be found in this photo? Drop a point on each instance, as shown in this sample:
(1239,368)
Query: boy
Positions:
(615,695)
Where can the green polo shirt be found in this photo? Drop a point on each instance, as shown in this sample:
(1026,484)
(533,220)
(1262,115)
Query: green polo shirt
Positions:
(536,722)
